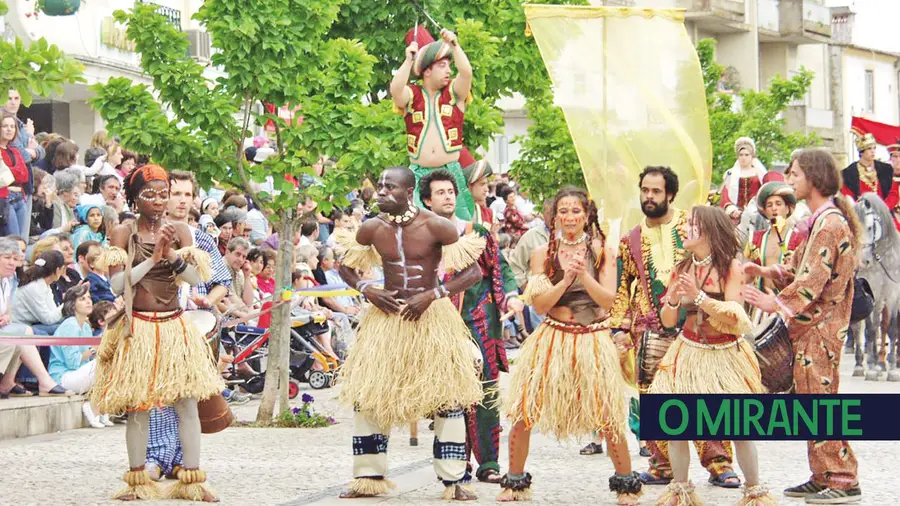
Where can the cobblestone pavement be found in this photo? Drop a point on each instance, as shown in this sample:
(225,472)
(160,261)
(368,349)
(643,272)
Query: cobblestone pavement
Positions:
(299,467)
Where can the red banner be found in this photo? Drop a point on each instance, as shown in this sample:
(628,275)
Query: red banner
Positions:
(884,134)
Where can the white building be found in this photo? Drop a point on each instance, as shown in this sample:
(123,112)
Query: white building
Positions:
(92,37)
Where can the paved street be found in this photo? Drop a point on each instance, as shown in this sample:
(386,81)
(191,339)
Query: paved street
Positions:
(301,467)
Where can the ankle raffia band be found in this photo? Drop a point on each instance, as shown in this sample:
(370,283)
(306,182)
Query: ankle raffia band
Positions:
(625,484)
(755,491)
(136,477)
(522,483)
(189,476)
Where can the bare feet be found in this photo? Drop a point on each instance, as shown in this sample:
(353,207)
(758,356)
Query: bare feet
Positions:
(128,497)
(209,496)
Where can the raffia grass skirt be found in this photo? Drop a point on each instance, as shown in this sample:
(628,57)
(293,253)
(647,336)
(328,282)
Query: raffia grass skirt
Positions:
(568,381)
(690,367)
(166,359)
(400,371)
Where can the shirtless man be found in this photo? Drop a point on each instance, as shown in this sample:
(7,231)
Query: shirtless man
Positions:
(413,355)
(434,111)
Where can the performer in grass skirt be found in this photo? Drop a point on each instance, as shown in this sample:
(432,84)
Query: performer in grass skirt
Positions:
(710,355)
(414,356)
(151,356)
(568,377)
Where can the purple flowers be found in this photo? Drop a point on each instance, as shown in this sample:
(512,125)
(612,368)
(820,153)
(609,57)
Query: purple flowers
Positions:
(307,399)
(295,410)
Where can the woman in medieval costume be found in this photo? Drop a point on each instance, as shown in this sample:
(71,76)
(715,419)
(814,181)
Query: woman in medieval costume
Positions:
(709,356)
(151,355)
(568,381)
(741,183)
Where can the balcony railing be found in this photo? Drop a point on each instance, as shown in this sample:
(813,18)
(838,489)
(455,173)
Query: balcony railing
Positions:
(171,14)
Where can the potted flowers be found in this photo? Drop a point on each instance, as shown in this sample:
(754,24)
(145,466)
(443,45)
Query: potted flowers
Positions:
(57,7)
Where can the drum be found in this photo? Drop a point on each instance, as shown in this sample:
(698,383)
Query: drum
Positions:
(775,353)
(215,414)
(653,348)
(208,325)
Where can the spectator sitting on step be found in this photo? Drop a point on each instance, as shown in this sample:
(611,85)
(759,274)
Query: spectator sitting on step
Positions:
(101,315)
(35,305)
(98,277)
(72,366)
(12,355)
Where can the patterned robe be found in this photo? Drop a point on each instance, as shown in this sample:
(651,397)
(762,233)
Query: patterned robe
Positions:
(481,307)
(755,251)
(636,311)
(816,305)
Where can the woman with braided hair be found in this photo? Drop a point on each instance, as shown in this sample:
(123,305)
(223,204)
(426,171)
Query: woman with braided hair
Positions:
(150,355)
(710,356)
(568,380)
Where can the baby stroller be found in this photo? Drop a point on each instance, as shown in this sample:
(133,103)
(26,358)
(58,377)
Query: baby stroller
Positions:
(306,351)
(249,345)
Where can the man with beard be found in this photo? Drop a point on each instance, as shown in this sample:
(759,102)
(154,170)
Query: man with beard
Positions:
(413,355)
(481,307)
(434,111)
(647,257)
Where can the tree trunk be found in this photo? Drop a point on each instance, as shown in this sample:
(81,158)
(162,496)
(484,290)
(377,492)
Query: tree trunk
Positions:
(278,362)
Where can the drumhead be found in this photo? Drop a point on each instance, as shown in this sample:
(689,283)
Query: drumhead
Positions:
(205,321)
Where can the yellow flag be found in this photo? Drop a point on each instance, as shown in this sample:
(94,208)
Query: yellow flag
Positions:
(630,85)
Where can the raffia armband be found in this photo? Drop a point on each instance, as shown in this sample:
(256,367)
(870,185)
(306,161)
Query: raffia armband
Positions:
(725,312)
(462,253)
(112,257)
(538,284)
(199,259)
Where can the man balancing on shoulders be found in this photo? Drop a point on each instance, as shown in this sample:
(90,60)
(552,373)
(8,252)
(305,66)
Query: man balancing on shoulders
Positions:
(434,110)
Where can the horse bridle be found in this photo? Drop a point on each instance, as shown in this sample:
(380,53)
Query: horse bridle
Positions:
(874,249)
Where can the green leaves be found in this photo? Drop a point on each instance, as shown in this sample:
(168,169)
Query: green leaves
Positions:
(759,116)
(40,69)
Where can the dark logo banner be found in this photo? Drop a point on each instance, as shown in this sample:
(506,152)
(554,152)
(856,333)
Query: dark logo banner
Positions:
(779,417)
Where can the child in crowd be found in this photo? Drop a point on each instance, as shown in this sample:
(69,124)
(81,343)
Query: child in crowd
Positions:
(73,366)
(92,228)
(97,277)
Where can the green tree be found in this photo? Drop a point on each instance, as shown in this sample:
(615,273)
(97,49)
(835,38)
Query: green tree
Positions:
(757,118)
(272,52)
(40,69)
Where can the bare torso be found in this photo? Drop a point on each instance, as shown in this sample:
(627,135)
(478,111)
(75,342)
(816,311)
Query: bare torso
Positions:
(432,152)
(410,254)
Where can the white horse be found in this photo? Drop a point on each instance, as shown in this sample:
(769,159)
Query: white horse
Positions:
(880,266)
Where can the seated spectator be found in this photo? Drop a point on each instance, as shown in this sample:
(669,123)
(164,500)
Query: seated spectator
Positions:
(11,356)
(324,263)
(98,277)
(129,162)
(90,214)
(42,205)
(265,279)
(210,207)
(68,193)
(81,257)
(69,278)
(239,300)
(110,188)
(344,231)
(300,305)
(102,313)
(208,225)
(238,201)
(309,230)
(193,218)
(514,223)
(35,305)
(228,223)
(333,277)
(73,366)
(48,243)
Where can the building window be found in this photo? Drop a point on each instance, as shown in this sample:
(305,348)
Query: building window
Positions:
(870,91)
